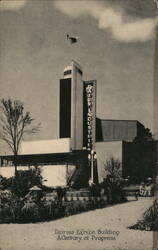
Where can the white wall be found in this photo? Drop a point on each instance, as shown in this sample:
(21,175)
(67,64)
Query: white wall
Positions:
(76,108)
(10,171)
(104,151)
(45,146)
(54,175)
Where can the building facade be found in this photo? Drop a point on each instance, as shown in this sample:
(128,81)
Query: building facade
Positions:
(85,142)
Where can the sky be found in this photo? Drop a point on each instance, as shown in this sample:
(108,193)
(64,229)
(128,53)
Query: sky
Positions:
(115,46)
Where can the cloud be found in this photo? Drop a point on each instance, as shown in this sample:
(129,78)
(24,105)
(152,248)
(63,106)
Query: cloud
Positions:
(12,4)
(122,27)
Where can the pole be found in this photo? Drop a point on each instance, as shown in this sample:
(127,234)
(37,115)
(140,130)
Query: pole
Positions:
(92,166)
(66,173)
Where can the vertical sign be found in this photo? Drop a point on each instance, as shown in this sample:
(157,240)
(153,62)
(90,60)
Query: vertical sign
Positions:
(89,114)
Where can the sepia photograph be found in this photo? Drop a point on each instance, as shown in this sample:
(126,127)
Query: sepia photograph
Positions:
(78,124)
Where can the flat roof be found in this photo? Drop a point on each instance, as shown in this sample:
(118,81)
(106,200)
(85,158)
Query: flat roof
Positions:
(51,158)
(118,120)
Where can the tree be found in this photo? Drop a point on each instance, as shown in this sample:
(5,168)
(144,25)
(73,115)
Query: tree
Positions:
(113,168)
(15,123)
(113,183)
(146,135)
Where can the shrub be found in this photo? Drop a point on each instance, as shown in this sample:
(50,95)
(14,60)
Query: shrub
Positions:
(30,212)
(4,183)
(24,180)
(28,209)
(112,184)
(150,219)
(10,207)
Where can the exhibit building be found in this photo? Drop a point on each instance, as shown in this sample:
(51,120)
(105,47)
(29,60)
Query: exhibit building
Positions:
(85,142)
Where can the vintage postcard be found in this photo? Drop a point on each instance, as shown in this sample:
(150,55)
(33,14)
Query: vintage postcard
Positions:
(78,124)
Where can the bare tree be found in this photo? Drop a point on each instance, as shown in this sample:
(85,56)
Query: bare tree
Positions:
(113,168)
(15,123)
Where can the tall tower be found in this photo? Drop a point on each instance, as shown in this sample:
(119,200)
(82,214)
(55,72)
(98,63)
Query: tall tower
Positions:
(71,105)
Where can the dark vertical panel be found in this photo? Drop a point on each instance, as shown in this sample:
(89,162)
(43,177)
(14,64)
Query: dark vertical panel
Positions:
(65,108)
(99,135)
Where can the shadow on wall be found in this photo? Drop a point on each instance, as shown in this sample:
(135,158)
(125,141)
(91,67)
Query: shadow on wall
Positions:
(99,134)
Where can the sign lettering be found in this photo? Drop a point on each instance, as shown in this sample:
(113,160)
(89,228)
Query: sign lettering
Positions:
(90,92)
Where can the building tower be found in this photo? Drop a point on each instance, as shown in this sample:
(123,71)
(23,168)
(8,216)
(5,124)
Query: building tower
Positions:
(155,84)
(71,106)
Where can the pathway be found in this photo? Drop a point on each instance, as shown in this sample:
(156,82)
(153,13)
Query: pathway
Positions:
(101,229)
